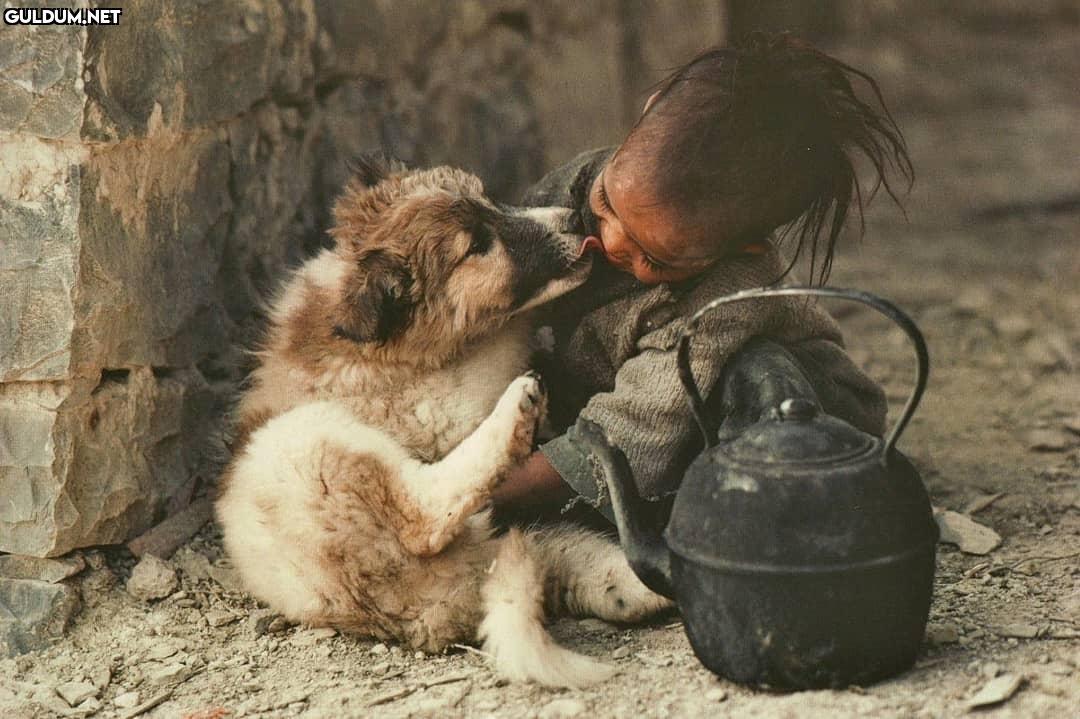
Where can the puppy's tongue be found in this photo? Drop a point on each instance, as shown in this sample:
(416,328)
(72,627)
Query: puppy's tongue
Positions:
(590,244)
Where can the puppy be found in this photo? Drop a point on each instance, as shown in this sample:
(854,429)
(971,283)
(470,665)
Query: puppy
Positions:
(390,397)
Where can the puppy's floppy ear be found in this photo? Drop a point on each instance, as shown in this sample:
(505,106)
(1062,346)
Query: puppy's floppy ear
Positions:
(371,168)
(377,303)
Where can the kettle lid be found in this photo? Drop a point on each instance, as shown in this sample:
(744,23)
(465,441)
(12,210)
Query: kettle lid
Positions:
(797,431)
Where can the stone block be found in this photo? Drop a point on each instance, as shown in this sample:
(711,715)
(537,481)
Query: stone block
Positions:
(41,85)
(39,248)
(273,159)
(32,614)
(475,102)
(153,218)
(93,462)
(385,39)
(212,62)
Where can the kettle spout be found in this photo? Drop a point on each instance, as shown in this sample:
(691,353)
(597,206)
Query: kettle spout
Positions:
(645,549)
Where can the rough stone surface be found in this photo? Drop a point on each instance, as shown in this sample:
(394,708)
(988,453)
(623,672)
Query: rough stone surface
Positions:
(157,177)
(33,613)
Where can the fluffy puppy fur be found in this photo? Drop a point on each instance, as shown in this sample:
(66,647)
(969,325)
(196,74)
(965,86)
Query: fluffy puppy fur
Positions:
(390,397)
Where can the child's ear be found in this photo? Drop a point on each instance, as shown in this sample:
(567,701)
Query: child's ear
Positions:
(377,303)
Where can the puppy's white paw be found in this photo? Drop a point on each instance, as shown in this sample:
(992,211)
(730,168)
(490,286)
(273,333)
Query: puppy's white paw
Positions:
(521,407)
(628,600)
(616,596)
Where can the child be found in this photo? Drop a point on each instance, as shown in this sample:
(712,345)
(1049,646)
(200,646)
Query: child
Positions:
(732,146)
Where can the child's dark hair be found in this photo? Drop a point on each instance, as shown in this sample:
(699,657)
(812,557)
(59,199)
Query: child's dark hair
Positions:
(770,118)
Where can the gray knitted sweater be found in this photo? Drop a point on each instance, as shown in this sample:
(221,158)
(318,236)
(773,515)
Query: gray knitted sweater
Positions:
(613,360)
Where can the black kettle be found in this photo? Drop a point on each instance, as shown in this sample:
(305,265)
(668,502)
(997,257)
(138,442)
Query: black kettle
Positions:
(801,552)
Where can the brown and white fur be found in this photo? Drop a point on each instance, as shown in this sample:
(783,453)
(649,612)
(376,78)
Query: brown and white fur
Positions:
(390,397)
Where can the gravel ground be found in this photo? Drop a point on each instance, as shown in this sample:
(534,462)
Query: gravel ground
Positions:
(987,262)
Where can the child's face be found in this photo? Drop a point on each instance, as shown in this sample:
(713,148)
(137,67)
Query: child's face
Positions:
(641,237)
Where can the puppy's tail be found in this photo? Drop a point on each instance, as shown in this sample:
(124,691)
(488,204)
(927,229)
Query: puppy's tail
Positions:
(513,629)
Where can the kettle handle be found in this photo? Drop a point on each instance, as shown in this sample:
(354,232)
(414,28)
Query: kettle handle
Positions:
(697,405)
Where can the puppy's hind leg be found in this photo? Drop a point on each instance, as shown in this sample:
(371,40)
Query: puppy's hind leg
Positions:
(588,575)
(456,487)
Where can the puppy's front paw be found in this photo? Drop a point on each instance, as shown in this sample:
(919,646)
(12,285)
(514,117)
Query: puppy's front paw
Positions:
(533,394)
(523,405)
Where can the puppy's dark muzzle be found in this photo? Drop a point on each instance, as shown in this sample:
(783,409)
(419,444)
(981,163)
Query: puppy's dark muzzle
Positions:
(582,222)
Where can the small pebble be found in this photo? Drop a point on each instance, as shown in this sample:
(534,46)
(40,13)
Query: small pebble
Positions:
(169,673)
(95,559)
(1061,669)
(1018,630)
(972,300)
(966,533)
(219,617)
(307,637)
(151,579)
(100,677)
(996,691)
(126,700)
(258,622)
(595,625)
(74,693)
(1013,326)
(561,709)
(716,695)
(379,649)
(161,651)
(942,634)
(1049,440)
(277,624)
(88,707)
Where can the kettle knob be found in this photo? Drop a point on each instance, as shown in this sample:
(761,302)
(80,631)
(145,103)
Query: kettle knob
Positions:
(798,409)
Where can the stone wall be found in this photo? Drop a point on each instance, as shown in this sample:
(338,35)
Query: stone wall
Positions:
(157,177)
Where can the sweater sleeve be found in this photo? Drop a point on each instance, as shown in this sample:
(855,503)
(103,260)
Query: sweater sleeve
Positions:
(647,413)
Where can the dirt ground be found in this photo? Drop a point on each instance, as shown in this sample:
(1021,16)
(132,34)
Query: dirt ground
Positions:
(987,262)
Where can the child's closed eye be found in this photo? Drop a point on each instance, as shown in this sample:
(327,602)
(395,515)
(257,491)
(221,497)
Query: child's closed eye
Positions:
(601,196)
(652,264)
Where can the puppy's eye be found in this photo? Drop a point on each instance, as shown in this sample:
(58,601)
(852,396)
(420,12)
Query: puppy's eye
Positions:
(481,240)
